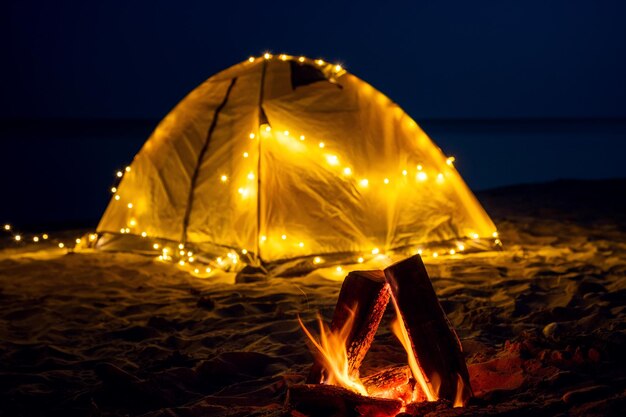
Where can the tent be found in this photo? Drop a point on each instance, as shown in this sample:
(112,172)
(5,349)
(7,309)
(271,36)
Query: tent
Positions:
(284,158)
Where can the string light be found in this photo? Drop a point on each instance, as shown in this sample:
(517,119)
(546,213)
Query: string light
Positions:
(338,68)
(113,189)
(452,251)
(18,238)
(129,205)
(435,254)
(61,245)
(347,171)
(283,57)
(301,59)
(364,182)
(317,260)
(405,172)
(181,246)
(339,269)
(302,137)
(245,154)
(263,238)
(117,198)
(284,237)
(494,234)
(244,251)
(450,160)
(35,239)
(267,55)
(144,234)
(251,175)
(419,167)
(155,246)
(252,136)
(360,260)
(119,174)
(321,145)
(78,241)
(127,169)
(460,247)
(375,251)
(224,178)
(421,176)
(475,236)
(332,160)
(440,177)
(7,227)
(301,244)
(386,181)
(44,236)
(251,59)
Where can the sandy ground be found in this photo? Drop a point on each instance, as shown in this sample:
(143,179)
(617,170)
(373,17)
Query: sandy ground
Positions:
(542,322)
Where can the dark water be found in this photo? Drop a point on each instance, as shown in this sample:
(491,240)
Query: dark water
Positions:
(59,173)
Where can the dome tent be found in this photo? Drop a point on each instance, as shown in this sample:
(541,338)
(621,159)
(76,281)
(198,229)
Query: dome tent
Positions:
(283,158)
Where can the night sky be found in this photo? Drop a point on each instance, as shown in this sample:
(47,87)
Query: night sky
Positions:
(85,82)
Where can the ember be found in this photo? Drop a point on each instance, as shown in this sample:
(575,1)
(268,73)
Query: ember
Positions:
(436,368)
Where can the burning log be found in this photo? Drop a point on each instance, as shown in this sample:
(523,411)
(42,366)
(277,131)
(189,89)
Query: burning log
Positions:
(440,366)
(395,382)
(329,400)
(363,298)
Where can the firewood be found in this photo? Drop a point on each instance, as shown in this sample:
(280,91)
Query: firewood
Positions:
(433,340)
(365,295)
(395,382)
(329,400)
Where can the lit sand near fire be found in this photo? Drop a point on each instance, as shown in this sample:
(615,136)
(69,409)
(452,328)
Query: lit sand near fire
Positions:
(542,323)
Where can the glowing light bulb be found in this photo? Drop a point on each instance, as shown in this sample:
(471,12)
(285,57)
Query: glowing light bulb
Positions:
(475,236)
(197,271)
(244,251)
(246,154)
(419,167)
(332,160)
(267,55)
(283,57)
(117,198)
(127,169)
(375,251)
(460,247)
(156,246)
(263,238)
(405,172)
(181,253)
(494,234)
(319,62)
(78,241)
(301,137)
(268,128)
(360,260)
(419,251)
(129,205)
(301,59)
(36,239)
(364,182)
(386,180)
(181,263)
(301,244)
(191,259)
(144,234)
(251,175)
(220,260)
(127,230)
(224,178)
(251,59)
(347,171)
(190,253)
(321,145)
(339,269)
(243,191)
(435,254)
(119,174)
(133,222)
(181,246)
(338,68)
(61,245)
(44,236)
(18,238)
(452,251)
(252,136)
(317,260)
(421,176)
(440,177)
(7,227)
(208,270)
(92,237)
(450,160)
(113,189)
(286,133)
(284,237)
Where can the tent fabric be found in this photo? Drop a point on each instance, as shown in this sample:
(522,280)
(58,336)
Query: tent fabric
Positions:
(287,158)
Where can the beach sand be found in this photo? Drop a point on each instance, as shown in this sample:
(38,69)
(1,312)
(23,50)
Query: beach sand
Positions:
(542,322)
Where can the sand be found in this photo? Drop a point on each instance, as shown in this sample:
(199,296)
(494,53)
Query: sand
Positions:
(542,322)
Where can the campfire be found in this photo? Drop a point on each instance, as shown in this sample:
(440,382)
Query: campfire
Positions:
(435,374)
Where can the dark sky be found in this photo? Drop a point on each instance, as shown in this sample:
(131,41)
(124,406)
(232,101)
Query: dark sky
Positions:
(437,59)
(440,60)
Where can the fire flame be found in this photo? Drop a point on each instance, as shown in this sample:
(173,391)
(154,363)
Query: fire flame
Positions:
(429,388)
(333,352)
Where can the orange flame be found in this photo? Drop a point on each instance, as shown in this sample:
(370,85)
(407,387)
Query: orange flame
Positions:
(333,352)
(429,387)
(459,398)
